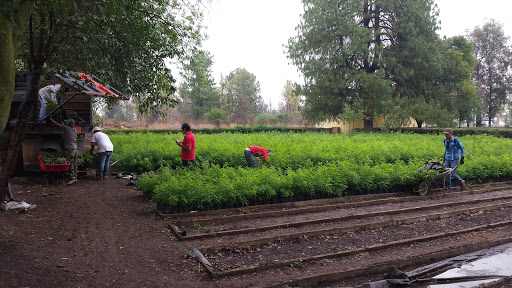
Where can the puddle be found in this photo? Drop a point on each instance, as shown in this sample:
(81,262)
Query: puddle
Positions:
(497,262)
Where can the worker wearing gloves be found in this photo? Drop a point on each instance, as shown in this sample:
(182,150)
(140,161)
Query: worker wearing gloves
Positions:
(451,158)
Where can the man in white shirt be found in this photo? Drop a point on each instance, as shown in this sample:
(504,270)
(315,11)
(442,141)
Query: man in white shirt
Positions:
(48,93)
(105,148)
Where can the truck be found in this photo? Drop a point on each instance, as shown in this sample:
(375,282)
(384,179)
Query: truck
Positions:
(76,103)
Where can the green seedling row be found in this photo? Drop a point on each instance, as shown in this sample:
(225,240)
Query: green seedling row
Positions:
(302,164)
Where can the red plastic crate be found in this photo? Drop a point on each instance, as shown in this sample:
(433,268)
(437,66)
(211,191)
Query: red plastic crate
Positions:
(52,167)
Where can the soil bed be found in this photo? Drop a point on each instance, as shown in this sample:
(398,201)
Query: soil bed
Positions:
(278,251)
(105,234)
(200,227)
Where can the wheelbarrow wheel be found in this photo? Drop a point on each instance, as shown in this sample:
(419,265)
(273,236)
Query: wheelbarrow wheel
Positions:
(422,188)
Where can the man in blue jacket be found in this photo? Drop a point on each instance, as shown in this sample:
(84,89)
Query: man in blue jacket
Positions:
(451,158)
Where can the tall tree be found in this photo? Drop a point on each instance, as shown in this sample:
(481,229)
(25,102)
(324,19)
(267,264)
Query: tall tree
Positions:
(125,42)
(198,87)
(411,56)
(451,95)
(291,99)
(242,95)
(14,16)
(458,65)
(492,69)
(354,54)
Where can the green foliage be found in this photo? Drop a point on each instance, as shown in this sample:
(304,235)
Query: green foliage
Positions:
(458,94)
(492,72)
(237,129)
(363,59)
(283,117)
(458,132)
(340,51)
(241,95)
(298,264)
(335,165)
(147,152)
(54,157)
(125,43)
(292,100)
(86,159)
(232,186)
(198,84)
(216,116)
(266,118)
(50,106)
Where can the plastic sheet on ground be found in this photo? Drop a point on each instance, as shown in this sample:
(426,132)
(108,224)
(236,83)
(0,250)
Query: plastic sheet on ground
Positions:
(11,205)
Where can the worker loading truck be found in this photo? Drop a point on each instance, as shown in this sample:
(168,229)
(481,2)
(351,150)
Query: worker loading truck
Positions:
(64,100)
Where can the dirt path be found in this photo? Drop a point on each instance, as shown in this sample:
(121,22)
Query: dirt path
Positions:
(94,234)
(105,234)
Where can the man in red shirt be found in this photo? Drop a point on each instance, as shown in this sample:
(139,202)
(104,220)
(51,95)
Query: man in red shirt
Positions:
(252,152)
(188,145)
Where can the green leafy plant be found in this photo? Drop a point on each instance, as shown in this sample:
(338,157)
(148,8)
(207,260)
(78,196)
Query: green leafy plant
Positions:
(86,159)
(54,157)
(298,264)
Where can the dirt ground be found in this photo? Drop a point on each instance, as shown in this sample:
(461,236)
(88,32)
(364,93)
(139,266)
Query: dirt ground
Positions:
(502,283)
(94,234)
(89,234)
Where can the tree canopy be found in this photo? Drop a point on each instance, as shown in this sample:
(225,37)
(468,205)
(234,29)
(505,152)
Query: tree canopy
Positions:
(198,87)
(492,72)
(292,101)
(241,95)
(126,43)
(368,58)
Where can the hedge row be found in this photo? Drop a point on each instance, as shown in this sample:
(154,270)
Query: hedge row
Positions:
(211,185)
(459,132)
(237,129)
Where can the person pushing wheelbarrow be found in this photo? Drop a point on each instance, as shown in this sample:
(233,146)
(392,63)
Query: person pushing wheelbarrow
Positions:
(451,158)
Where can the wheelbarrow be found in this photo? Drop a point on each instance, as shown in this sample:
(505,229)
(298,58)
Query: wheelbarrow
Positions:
(439,180)
(53,171)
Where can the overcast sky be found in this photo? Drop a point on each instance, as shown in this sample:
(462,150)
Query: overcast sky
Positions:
(250,34)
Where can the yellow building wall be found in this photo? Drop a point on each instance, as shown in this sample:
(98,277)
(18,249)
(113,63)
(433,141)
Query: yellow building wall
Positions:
(345,126)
